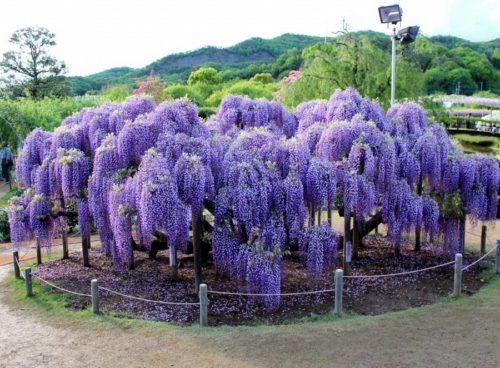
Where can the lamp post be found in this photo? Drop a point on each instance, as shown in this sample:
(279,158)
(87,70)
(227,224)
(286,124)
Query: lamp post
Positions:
(391,14)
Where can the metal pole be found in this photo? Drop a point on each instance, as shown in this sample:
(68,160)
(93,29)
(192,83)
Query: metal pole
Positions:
(203,305)
(94,291)
(339,286)
(457,282)
(393,66)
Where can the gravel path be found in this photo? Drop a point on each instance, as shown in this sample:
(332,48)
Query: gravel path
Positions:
(461,334)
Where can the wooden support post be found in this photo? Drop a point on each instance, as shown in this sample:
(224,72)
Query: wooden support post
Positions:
(38,253)
(173,261)
(457,281)
(339,287)
(319,215)
(15,261)
(29,284)
(196,226)
(85,250)
(203,305)
(497,258)
(64,232)
(329,214)
(94,291)
(483,239)
(313,211)
(356,241)
(347,238)
(65,243)
(418,230)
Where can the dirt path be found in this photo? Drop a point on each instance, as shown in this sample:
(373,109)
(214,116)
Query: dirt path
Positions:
(461,334)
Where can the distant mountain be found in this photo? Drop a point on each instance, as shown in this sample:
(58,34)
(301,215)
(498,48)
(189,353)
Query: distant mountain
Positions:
(176,67)
(278,55)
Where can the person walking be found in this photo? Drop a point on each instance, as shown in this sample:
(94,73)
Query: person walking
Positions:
(7,161)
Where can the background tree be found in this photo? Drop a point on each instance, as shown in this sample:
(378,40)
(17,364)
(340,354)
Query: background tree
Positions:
(29,64)
(151,86)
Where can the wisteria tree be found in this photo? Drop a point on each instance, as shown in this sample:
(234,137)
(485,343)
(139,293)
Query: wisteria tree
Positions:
(251,185)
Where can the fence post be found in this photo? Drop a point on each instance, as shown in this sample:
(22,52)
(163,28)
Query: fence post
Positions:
(15,260)
(497,258)
(483,239)
(203,305)
(29,284)
(339,288)
(457,282)
(94,291)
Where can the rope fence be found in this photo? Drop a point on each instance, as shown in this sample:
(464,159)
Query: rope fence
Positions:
(146,300)
(60,288)
(480,259)
(203,289)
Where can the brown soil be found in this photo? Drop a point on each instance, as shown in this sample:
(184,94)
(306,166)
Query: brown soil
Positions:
(151,280)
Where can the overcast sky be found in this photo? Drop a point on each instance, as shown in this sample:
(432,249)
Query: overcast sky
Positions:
(94,35)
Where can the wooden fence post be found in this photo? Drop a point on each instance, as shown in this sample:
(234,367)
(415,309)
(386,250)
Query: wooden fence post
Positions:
(38,253)
(15,260)
(94,291)
(85,250)
(173,261)
(203,305)
(457,282)
(339,288)
(29,284)
(483,239)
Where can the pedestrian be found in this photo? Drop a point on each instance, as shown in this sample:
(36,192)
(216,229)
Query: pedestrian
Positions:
(7,161)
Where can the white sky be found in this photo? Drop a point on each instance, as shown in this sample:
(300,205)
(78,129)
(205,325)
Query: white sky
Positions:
(94,35)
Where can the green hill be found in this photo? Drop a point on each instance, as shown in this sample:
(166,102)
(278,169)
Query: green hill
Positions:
(176,68)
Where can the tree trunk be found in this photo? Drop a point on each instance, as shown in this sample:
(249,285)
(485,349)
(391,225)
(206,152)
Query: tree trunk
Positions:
(197,233)
(319,215)
(462,235)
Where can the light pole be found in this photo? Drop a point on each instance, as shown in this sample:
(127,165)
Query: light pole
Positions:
(393,65)
(392,14)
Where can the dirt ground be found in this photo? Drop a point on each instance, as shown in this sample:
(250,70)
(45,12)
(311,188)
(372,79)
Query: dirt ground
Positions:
(463,333)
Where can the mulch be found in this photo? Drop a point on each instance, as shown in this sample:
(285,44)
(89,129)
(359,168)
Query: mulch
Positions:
(151,279)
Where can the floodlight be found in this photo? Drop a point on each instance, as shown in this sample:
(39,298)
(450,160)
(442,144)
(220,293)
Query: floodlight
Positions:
(407,35)
(390,14)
